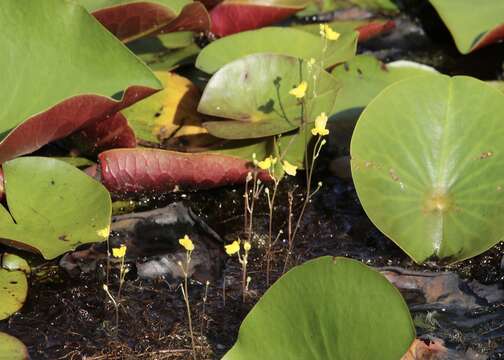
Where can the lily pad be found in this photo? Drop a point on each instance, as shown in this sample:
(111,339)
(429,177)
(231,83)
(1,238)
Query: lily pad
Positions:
(96,77)
(472,25)
(56,207)
(142,170)
(13,262)
(367,29)
(11,348)
(320,310)
(364,77)
(169,114)
(428,168)
(233,16)
(133,19)
(276,40)
(110,133)
(254,92)
(13,286)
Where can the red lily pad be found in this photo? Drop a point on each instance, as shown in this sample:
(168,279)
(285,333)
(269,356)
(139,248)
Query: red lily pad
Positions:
(145,170)
(2,187)
(231,16)
(374,29)
(110,133)
(132,20)
(63,119)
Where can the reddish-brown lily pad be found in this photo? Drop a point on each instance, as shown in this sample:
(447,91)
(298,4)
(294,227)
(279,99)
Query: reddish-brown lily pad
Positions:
(233,16)
(109,133)
(145,170)
(130,20)
(63,119)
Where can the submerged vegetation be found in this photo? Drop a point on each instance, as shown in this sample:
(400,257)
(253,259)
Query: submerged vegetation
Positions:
(109,105)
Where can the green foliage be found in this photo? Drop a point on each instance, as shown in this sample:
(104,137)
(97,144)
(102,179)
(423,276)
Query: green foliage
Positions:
(56,207)
(11,348)
(13,285)
(470,22)
(428,168)
(327,308)
(364,77)
(277,40)
(61,62)
(254,92)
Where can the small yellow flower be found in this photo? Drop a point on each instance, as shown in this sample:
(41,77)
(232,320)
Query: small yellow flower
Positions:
(311,62)
(119,252)
(289,168)
(232,248)
(328,33)
(320,125)
(300,90)
(247,246)
(187,243)
(267,163)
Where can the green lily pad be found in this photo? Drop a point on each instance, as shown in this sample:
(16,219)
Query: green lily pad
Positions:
(428,167)
(254,92)
(13,262)
(89,73)
(382,6)
(364,77)
(327,308)
(56,207)
(276,40)
(13,291)
(11,348)
(472,24)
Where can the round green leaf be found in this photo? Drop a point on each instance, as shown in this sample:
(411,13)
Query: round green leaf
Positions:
(254,91)
(276,40)
(11,348)
(13,262)
(56,207)
(13,290)
(363,77)
(472,24)
(327,308)
(427,162)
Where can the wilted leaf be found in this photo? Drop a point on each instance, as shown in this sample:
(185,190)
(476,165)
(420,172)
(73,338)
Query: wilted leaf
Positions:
(169,114)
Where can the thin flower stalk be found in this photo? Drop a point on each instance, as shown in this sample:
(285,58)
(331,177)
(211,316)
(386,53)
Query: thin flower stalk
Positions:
(188,245)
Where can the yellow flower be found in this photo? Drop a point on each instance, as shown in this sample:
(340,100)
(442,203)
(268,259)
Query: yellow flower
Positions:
(247,246)
(232,248)
(267,163)
(320,125)
(187,243)
(300,90)
(289,168)
(311,62)
(119,252)
(328,33)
